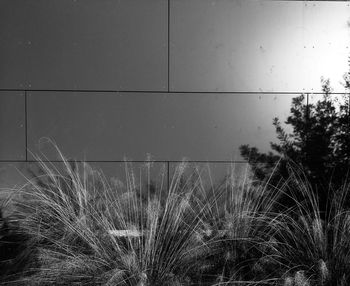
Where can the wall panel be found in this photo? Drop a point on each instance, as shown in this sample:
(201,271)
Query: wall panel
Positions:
(14,175)
(211,175)
(50,44)
(228,45)
(111,126)
(12,125)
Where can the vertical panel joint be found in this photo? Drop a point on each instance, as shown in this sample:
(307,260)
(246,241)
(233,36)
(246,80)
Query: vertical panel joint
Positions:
(26,125)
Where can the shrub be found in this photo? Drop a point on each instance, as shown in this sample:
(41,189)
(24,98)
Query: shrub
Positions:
(72,215)
(310,250)
(17,254)
(240,215)
(89,232)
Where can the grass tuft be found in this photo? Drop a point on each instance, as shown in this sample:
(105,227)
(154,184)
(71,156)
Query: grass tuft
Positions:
(83,229)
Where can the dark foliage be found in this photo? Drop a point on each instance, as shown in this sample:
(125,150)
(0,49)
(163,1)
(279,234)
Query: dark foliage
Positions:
(17,252)
(319,144)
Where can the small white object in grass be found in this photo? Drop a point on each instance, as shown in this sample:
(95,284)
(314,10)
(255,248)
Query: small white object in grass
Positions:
(125,232)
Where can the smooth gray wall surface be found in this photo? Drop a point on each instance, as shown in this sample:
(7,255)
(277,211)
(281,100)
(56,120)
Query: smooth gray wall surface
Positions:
(12,126)
(67,44)
(226,45)
(205,47)
(109,126)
